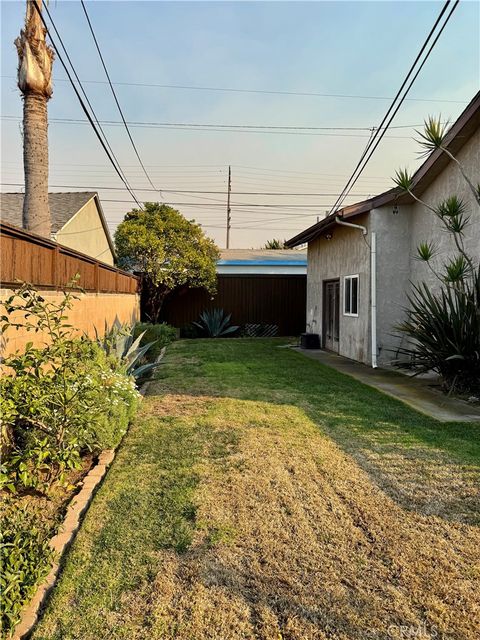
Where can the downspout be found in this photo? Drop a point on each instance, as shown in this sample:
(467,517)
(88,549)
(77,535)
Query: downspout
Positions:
(373,283)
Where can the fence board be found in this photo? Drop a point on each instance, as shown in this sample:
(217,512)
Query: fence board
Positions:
(26,257)
(253,299)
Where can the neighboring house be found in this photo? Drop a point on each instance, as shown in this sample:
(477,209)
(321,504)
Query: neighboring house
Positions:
(356,293)
(78,221)
(255,286)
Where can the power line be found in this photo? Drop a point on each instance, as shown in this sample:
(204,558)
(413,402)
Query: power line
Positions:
(215,203)
(115,95)
(106,146)
(376,139)
(234,126)
(194,191)
(259,91)
(211,128)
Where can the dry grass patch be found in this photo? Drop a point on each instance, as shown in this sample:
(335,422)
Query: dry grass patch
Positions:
(230,518)
(313,550)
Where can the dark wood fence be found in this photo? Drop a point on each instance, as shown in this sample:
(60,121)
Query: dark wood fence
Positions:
(27,257)
(257,299)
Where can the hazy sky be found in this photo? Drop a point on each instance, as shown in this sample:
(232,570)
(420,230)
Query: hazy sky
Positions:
(349,48)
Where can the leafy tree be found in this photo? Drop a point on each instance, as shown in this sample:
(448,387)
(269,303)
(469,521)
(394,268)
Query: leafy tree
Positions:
(274,244)
(168,250)
(444,325)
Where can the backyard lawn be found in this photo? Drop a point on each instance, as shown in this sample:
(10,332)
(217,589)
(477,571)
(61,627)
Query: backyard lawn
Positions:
(260,494)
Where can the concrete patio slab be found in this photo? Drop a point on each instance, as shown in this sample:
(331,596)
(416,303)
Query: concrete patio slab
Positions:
(419,393)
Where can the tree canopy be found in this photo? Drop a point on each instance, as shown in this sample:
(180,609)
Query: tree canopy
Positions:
(169,251)
(274,244)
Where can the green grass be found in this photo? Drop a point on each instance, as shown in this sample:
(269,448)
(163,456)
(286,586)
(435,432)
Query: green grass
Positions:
(254,369)
(148,504)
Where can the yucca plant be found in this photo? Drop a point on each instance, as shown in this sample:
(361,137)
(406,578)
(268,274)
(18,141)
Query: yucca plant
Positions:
(443,325)
(444,328)
(214,323)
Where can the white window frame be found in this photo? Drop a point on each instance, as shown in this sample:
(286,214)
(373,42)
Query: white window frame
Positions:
(351,278)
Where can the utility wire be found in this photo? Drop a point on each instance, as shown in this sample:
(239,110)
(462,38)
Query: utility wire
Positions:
(380,132)
(260,91)
(105,144)
(216,128)
(189,191)
(115,95)
(226,126)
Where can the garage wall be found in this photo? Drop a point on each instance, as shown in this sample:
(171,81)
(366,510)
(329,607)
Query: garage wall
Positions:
(265,299)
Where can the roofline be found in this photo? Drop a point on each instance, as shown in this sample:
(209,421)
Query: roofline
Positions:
(458,134)
(262,263)
(105,226)
(101,215)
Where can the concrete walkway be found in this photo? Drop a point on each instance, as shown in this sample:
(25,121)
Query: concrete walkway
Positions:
(416,392)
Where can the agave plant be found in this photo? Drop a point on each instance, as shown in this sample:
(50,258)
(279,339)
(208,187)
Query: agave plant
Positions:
(120,342)
(444,329)
(215,324)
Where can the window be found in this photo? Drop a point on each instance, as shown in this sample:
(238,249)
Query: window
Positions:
(350,293)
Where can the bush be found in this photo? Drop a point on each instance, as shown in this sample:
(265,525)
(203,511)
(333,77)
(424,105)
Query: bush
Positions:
(25,557)
(162,334)
(58,401)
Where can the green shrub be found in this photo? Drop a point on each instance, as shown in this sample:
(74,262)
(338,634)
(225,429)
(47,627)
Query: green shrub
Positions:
(162,334)
(25,557)
(58,401)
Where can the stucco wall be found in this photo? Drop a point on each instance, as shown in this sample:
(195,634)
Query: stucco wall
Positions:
(426,227)
(398,236)
(84,232)
(89,311)
(394,260)
(346,253)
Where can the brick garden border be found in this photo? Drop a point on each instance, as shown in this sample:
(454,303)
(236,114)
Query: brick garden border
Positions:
(60,542)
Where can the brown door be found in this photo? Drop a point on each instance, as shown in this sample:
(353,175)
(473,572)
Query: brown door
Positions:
(331,315)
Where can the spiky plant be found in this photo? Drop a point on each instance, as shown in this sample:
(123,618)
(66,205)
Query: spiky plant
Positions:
(444,326)
(215,324)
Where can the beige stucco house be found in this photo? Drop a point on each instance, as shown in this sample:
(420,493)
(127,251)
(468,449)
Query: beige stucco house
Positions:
(361,258)
(78,221)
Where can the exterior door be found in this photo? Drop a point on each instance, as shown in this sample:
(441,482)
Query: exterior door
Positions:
(331,315)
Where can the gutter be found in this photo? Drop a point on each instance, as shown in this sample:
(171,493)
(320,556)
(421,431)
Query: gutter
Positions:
(373,284)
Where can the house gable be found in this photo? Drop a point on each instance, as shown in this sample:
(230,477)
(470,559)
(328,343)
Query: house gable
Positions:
(85,231)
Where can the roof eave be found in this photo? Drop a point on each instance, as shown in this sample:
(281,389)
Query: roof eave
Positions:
(465,125)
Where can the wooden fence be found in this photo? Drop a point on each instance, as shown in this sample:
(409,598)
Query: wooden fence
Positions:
(27,257)
(255,299)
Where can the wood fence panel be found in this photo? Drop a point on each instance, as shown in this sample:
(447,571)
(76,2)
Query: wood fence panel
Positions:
(26,257)
(256,299)
(7,270)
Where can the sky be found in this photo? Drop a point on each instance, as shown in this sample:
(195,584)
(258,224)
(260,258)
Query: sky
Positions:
(274,50)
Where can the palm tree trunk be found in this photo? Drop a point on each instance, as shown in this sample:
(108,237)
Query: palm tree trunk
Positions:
(35,60)
(36,210)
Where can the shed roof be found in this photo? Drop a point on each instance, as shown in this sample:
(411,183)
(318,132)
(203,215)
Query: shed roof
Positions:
(458,134)
(263,257)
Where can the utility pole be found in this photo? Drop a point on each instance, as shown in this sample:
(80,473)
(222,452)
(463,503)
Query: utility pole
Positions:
(229,218)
